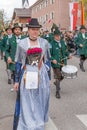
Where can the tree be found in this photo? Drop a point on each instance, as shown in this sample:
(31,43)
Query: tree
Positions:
(1,19)
(4,21)
(85,7)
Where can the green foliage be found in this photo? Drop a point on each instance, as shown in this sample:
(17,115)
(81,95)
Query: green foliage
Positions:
(85,1)
(1,18)
(85,7)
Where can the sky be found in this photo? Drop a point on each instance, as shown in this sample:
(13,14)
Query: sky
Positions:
(9,5)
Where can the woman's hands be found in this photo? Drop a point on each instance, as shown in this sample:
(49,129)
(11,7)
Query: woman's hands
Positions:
(54,61)
(16,85)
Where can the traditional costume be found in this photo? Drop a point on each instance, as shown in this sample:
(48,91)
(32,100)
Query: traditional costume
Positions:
(10,49)
(32,102)
(59,52)
(81,41)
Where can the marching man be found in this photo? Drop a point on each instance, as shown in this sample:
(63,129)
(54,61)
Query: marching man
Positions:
(59,56)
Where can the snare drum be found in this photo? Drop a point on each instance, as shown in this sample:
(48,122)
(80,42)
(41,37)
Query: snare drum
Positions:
(69,71)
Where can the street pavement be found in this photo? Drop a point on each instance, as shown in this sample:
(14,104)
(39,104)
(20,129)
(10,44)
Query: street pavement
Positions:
(67,113)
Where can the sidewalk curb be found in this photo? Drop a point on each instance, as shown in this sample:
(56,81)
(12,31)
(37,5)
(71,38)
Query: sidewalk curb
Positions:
(50,125)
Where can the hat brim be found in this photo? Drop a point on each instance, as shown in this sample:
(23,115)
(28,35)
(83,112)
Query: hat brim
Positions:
(17,27)
(82,28)
(32,26)
(8,29)
(57,34)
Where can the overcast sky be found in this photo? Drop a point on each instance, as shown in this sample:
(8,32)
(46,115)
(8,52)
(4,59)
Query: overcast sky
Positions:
(9,5)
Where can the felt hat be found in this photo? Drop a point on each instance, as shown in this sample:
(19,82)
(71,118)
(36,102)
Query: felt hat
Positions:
(57,32)
(17,25)
(33,23)
(8,28)
(82,27)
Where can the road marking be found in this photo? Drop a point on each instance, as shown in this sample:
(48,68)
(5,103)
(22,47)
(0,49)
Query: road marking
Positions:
(50,125)
(83,119)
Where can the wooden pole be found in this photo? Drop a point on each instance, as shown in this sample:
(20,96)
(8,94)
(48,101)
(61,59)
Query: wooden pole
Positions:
(82,13)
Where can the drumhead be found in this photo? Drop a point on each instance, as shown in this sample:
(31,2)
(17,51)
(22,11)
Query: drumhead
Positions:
(69,69)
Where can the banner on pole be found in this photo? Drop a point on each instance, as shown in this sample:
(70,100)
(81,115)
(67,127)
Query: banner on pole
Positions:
(73,13)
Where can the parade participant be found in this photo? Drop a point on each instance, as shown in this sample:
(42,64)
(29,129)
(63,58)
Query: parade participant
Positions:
(46,35)
(4,42)
(81,41)
(70,42)
(1,44)
(59,55)
(11,47)
(32,102)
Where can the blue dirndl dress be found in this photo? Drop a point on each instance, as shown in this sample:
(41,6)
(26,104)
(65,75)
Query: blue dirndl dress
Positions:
(32,105)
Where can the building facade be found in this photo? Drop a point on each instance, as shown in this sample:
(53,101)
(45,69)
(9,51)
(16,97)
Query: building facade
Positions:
(21,15)
(52,11)
(47,12)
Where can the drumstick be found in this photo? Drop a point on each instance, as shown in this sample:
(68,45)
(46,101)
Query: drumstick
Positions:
(60,64)
(64,58)
(70,55)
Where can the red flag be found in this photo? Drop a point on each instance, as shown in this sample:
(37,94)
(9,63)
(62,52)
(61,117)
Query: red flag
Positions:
(73,15)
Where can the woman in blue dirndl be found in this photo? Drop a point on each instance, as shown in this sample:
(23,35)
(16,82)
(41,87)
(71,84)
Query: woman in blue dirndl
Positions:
(32,105)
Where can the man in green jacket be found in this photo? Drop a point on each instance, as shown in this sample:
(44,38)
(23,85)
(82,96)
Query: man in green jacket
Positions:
(59,55)
(4,42)
(81,41)
(11,47)
(1,44)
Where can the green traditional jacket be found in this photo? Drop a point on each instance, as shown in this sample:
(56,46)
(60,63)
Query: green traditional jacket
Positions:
(81,40)
(49,38)
(4,41)
(10,51)
(60,54)
(1,44)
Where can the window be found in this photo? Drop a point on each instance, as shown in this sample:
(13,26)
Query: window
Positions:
(52,15)
(36,9)
(46,3)
(40,7)
(46,17)
(52,1)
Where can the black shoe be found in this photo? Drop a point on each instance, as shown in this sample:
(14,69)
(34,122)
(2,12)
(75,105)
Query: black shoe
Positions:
(9,81)
(58,95)
(83,70)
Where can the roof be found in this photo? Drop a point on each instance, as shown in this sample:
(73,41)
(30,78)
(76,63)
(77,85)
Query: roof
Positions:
(36,3)
(22,12)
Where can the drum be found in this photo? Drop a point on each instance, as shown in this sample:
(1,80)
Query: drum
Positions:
(69,71)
